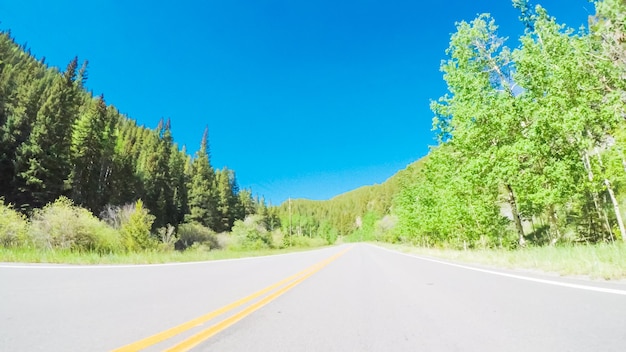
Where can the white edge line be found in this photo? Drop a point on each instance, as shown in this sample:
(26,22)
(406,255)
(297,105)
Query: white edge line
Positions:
(156,265)
(519,277)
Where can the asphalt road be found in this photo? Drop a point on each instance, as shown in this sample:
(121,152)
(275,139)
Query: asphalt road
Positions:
(345,298)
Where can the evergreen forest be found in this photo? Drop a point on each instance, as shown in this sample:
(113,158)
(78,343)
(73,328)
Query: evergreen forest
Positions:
(90,178)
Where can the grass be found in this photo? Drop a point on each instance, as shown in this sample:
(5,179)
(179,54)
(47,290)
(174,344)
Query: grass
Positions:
(599,261)
(29,255)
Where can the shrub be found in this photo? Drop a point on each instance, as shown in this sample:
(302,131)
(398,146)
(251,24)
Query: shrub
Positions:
(251,234)
(384,227)
(116,216)
(136,230)
(65,226)
(194,233)
(13,226)
(328,232)
(167,236)
(305,242)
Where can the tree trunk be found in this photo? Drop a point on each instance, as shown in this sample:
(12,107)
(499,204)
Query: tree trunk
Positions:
(618,214)
(516,217)
(601,213)
(554,226)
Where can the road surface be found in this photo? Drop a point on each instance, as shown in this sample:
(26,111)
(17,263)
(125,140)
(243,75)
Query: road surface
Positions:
(345,298)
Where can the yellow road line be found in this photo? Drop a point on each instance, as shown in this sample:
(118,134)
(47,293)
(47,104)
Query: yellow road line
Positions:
(167,334)
(218,327)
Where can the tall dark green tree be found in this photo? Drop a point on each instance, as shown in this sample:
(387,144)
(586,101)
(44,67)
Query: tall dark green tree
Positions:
(24,98)
(88,146)
(43,160)
(153,169)
(227,190)
(202,200)
(178,179)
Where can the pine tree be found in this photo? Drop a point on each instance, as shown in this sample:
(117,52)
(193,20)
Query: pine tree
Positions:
(226,188)
(87,151)
(21,111)
(202,202)
(178,180)
(153,169)
(123,184)
(246,205)
(107,162)
(43,161)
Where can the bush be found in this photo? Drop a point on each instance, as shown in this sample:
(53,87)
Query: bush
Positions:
(167,236)
(306,242)
(116,216)
(65,226)
(328,232)
(13,227)
(136,230)
(193,233)
(384,227)
(251,234)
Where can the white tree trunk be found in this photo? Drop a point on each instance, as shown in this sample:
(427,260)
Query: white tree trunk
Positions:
(601,213)
(618,214)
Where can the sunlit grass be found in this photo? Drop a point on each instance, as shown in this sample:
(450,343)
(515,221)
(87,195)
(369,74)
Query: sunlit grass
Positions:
(606,261)
(29,255)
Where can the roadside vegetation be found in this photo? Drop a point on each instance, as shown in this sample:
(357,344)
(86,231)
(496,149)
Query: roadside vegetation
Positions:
(62,232)
(196,254)
(599,261)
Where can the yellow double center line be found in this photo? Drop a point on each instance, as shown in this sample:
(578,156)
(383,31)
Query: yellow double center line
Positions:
(279,288)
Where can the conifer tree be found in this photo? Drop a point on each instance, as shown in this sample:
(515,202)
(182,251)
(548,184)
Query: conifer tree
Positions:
(178,181)
(107,164)
(43,161)
(226,188)
(202,202)
(21,112)
(87,149)
(153,169)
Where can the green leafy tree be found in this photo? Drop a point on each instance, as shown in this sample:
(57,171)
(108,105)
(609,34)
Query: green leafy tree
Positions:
(481,115)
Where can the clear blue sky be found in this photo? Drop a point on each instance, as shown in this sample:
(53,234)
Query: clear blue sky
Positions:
(303,99)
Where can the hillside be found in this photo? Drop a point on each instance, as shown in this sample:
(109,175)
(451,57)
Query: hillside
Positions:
(67,155)
(340,213)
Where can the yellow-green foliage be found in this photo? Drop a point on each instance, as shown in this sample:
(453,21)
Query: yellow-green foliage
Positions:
(307,242)
(136,231)
(251,234)
(62,225)
(13,226)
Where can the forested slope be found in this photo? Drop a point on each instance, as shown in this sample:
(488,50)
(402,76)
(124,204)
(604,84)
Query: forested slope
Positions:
(58,141)
(346,214)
